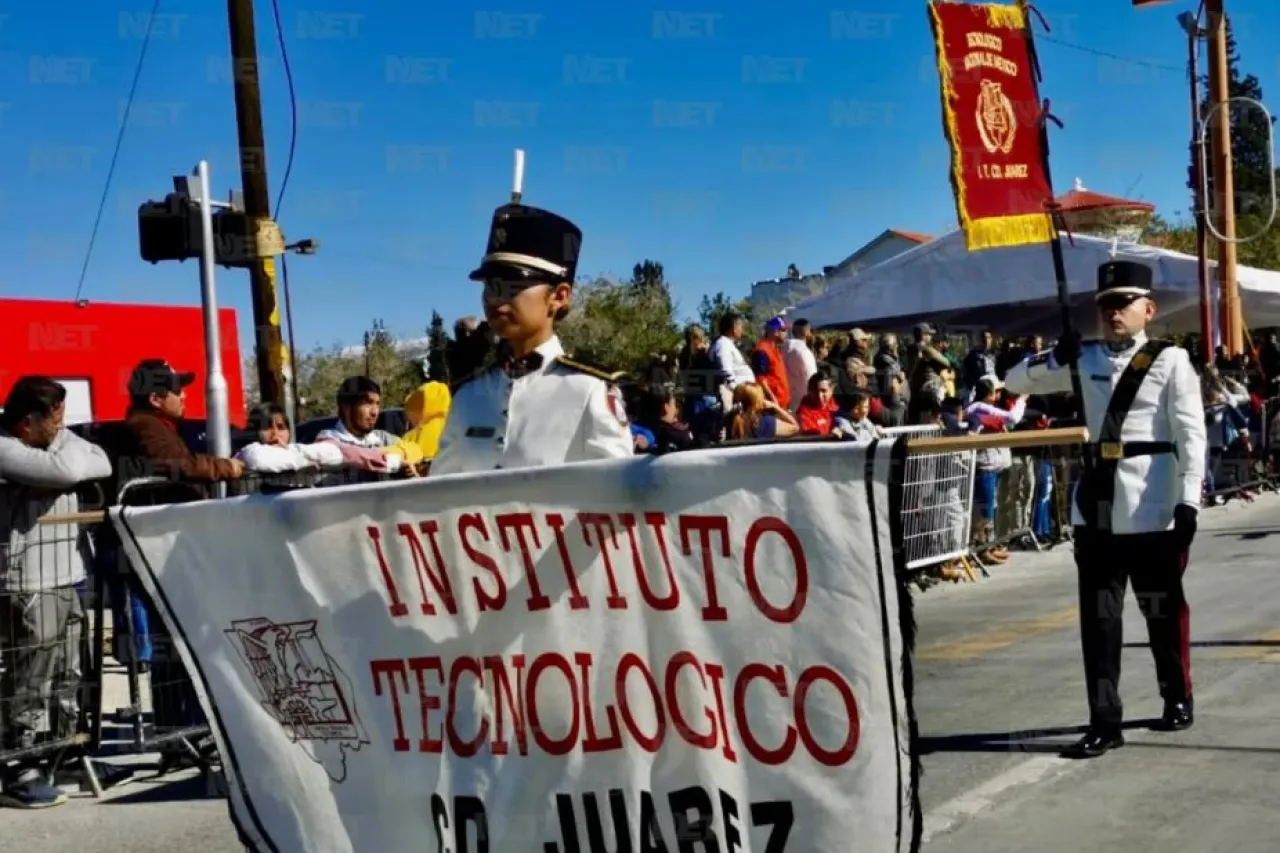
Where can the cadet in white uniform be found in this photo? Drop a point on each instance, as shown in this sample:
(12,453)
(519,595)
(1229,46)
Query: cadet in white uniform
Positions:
(534,407)
(1135,517)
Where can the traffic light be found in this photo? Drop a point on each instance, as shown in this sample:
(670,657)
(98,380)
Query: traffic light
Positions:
(168,230)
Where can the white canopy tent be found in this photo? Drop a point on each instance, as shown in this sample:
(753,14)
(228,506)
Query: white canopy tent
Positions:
(1013,290)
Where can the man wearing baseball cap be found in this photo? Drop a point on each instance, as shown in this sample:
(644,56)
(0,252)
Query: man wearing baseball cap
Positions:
(152,445)
(769,364)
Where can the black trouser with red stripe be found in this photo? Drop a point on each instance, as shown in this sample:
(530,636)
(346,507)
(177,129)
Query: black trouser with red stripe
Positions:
(1154,563)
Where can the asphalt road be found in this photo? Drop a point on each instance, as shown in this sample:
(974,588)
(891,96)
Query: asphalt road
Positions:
(999,690)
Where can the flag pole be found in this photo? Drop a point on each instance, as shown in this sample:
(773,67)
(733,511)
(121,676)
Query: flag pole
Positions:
(1057,223)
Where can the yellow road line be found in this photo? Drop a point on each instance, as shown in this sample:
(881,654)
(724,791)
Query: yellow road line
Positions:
(977,645)
(1267,649)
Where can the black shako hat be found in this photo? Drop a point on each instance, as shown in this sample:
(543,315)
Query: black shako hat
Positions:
(1128,278)
(530,243)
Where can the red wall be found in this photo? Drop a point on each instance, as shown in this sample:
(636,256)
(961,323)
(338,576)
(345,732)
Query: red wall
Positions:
(102,342)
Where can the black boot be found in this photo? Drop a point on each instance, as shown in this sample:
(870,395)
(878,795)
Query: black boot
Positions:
(1096,742)
(1177,716)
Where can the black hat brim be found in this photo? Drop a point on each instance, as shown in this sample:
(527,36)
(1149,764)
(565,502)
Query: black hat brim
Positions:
(507,271)
(1131,293)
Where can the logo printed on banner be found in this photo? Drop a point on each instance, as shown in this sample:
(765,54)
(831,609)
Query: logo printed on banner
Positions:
(303,688)
(997,123)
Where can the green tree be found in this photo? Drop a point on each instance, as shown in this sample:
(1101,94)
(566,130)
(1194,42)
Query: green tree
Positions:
(648,273)
(320,372)
(620,326)
(437,350)
(386,363)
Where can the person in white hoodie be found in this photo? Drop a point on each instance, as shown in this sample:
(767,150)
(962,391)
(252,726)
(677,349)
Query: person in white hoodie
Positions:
(274,453)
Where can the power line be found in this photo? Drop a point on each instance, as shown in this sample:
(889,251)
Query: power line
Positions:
(115,155)
(293,105)
(1113,56)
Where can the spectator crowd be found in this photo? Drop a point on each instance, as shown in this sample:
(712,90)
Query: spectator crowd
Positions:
(791,382)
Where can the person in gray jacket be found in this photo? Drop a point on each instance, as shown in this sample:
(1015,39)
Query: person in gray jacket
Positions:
(42,620)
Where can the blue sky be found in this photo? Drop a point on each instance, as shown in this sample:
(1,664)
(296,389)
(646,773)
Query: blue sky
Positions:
(725,141)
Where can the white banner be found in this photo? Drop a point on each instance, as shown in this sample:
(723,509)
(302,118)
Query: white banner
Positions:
(697,653)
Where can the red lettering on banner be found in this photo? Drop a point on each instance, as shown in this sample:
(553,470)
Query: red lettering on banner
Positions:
(790,613)
(398,608)
(593,742)
(778,680)
(510,698)
(649,743)
(520,522)
(682,727)
(577,601)
(715,672)
(602,522)
(541,664)
(428,702)
(497,599)
(842,754)
(658,522)
(705,525)
(439,576)
(388,670)
(637,711)
(464,748)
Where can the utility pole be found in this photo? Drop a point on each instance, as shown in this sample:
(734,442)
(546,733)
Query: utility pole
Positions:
(1223,180)
(1198,165)
(268,342)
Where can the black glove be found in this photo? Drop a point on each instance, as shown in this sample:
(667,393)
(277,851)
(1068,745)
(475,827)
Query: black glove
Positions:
(1184,524)
(1067,350)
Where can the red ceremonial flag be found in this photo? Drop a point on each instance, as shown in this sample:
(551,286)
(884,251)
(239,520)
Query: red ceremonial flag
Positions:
(991,113)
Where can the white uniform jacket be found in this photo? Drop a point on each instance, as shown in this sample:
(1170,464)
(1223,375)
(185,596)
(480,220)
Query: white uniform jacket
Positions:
(556,414)
(1167,408)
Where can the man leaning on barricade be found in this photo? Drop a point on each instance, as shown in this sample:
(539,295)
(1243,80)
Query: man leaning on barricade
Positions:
(147,447)
(42,566)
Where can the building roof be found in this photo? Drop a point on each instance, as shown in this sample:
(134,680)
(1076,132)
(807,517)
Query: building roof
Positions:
(887,234)
(913,236)
(1081,200)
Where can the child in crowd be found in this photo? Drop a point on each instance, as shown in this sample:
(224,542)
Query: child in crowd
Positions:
(859,426)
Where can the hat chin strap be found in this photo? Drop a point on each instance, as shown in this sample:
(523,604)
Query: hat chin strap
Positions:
(525,261)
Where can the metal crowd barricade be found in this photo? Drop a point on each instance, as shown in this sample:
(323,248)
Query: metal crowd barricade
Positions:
(937,503)
(48,671)
(163,713)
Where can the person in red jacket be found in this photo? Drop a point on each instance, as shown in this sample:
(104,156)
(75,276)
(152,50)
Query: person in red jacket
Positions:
(817,410)
(768,364)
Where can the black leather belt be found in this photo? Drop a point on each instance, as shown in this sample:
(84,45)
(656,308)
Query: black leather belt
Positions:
(1114,450)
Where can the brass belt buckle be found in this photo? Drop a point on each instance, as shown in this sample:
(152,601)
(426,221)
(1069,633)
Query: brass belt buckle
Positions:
(1111,450)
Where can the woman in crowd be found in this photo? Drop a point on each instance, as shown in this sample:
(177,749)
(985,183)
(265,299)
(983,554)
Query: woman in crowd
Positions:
(755,417)
(697,382)
(275,452)
(661,414)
